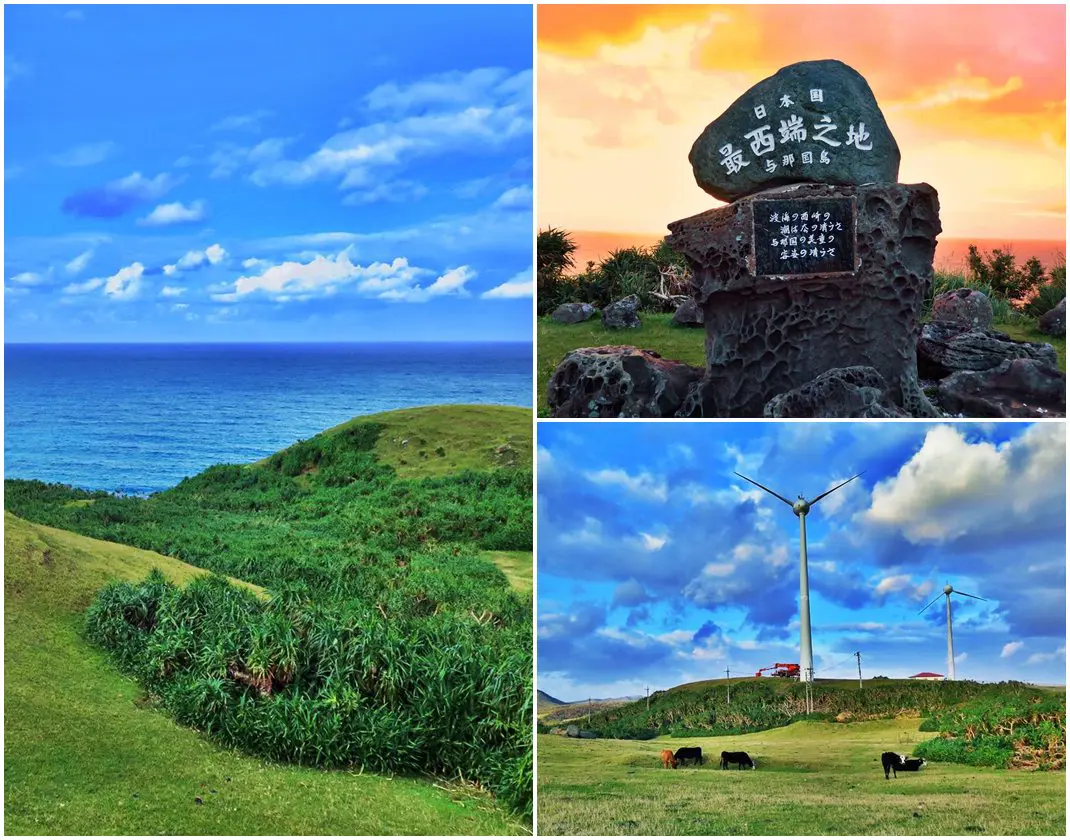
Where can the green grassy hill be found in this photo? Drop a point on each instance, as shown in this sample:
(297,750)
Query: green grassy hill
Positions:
(813,778)
(369,572)
(84,752)
(703,708)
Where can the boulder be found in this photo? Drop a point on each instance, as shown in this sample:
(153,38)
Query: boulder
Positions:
(843,392)
(771,332)
(1016,388)
(572,731)
(944,348)
(587,733)
(622,314)
(968,307)
(688,314)
(573,313)
(619,382)
(1053,322)
(815,121)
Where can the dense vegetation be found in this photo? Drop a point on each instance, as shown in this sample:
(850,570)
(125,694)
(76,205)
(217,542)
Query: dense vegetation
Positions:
(389,642)
(703,709)
(626,271)
(1012,729)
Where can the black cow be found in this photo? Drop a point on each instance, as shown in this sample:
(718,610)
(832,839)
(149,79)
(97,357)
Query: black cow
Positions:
(740,759)
(894,761)
(688,754)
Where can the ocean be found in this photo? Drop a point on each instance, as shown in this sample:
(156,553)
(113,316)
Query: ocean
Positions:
(139,418)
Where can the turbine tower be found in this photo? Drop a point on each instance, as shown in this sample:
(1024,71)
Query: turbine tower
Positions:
(800,507)
(949,590)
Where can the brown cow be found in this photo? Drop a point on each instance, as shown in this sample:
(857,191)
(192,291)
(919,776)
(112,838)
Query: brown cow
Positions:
(668,759)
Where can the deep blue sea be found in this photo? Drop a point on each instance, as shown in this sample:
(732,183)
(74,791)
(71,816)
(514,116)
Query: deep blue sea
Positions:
(139,418)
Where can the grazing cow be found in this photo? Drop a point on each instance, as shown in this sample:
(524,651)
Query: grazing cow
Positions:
(740,759)
(689,754)
(893,761)
(668,759)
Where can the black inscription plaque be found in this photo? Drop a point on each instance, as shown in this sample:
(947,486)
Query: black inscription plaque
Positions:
(802,237)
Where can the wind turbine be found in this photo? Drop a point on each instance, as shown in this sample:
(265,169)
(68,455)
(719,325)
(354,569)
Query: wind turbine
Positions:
(800,507)
(949,590)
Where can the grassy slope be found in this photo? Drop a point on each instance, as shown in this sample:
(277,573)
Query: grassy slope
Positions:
(84,755)
(474,437)
(812,778)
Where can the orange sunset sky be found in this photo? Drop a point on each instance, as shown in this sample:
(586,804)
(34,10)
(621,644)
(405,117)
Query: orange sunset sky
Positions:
(975,96)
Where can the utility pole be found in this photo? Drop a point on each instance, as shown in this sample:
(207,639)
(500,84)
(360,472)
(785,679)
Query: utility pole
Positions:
(729,678)
(858,656)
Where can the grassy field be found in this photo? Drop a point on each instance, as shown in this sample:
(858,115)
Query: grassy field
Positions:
(445,439)
(84,753)
(682,344)
(812,779)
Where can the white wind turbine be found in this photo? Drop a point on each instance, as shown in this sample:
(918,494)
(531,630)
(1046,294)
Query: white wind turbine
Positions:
(949,590)
(800,507)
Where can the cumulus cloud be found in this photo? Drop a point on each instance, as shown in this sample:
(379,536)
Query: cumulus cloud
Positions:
(119,197)
(125,283)
(520,286)
(516,198)
(451,283)
(84,287)
(172,291)
(193,260)
(1037,658)
(902,585)
(952,486)
(1011,648)
(175,213)
(88,154)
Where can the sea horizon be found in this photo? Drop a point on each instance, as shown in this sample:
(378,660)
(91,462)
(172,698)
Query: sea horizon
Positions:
(138,418)
(593,245)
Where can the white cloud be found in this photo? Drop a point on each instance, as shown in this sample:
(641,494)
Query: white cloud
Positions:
(520,286)
(88,154)
(895,584)
(456,88)
(79,263)
(1011,648)
(172,291)
(175,213)
(644,484)
(29,278)
(212,255)
(652,543)
(393,192)
(517,198)
(952,487)
(84,287)
(1037,658)
(450,283)
(125,283)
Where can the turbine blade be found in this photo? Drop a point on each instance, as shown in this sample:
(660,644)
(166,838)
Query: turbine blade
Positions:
(833,490)
(766,489)
(968,595)
(933,601)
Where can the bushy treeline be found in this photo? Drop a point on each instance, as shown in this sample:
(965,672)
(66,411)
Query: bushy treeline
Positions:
(758,704)
(388,642)
(1024,729)
(626,271)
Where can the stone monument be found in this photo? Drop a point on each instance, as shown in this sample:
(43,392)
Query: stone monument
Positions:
(821,260)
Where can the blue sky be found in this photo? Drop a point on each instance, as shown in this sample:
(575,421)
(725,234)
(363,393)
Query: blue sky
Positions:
(657,566)
(286,173)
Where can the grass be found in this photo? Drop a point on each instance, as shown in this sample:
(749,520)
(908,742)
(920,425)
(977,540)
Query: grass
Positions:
(517,567)
(445,439)
(86,754)
(812,779)
(555,341)
(1029,332)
